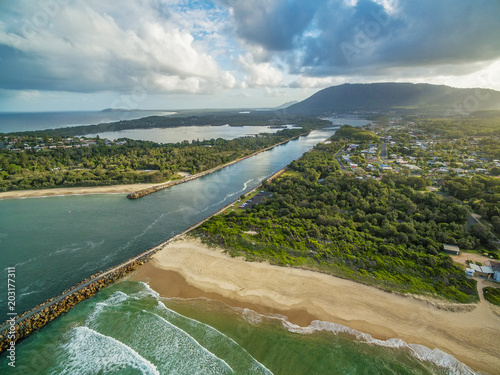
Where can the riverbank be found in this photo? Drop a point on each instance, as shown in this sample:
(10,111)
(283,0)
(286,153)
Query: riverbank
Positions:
(143,192)
(187,269)
(133,191)
(112,189)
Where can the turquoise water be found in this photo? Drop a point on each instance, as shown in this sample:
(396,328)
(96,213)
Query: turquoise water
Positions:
(129,329)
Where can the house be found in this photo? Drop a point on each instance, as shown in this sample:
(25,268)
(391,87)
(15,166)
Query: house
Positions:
(412,167)
(451,249)
(469,271)
(484,271)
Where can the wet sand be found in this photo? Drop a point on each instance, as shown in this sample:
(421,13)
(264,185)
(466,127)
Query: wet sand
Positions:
(187,269)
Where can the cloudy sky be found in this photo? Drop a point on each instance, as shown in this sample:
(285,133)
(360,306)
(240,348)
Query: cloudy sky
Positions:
(175,54)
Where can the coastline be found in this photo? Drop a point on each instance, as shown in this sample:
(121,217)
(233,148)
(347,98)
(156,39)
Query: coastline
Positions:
(187,268)
(52,192)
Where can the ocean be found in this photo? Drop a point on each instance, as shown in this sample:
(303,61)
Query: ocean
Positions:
(26,121)
(129,329)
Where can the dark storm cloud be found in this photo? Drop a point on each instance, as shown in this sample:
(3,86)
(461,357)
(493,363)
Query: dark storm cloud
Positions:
(274,24)
(334,37)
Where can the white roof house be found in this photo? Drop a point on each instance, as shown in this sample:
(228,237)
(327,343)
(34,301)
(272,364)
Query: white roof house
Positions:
(485,271)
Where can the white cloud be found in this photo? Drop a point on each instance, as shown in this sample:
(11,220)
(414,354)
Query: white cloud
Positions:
(90,47)
(313,82)
(260,74)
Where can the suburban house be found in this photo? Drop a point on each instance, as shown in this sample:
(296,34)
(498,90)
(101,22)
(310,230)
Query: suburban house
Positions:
(483,271)
(451,249)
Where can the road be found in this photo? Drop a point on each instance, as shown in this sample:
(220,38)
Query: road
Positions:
(337,158)
(383,153)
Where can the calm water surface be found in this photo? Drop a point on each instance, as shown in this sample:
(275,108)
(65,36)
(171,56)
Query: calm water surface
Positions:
(188,133)
(23,121)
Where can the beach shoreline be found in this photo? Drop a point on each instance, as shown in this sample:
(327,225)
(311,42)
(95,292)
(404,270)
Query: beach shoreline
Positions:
(186,268)
(53,192)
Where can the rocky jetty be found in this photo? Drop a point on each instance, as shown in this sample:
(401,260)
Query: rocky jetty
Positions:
(141,193)
(42,314)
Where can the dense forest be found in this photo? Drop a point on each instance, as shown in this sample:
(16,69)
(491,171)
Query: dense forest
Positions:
(482,194)
(131,162)
(478,125)
(387,233)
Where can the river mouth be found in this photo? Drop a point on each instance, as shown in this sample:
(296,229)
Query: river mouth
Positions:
(55,242)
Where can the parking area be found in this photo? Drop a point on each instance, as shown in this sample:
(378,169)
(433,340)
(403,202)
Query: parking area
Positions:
(256,199)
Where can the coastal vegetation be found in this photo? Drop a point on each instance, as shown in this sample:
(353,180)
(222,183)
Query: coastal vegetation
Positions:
(128,161)
(492,295)
(387,232)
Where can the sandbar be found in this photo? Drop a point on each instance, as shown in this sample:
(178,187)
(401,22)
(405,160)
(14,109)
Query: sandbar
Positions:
(111,189)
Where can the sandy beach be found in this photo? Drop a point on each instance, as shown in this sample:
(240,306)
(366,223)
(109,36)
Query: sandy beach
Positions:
(113,189)
(186,268)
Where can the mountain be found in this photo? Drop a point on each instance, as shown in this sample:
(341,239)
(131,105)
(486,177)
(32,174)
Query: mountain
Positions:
(386,96)
(285,105)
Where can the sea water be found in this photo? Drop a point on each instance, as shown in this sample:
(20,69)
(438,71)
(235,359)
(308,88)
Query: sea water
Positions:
(129,329)
(26,121)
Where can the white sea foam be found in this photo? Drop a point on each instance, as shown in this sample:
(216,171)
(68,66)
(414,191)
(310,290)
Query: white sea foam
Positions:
(17,265)
(150,226)
(90,352)
(258,367)
(440,358)
(22,295)
(74,247)
(423,353)
(114,300)
(193,341)
(251,316)
(149,291)
(246,183)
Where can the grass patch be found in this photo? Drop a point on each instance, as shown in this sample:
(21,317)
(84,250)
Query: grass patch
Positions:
(492,295)
(291,173)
